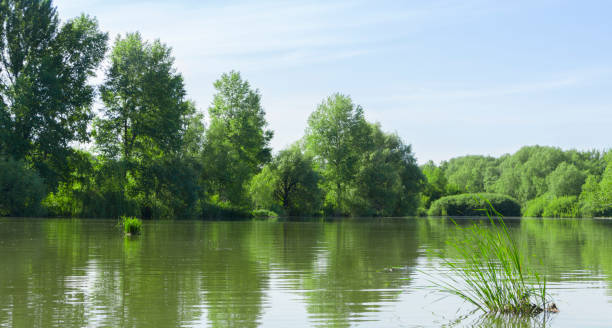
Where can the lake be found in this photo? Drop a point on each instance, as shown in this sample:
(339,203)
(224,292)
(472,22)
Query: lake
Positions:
(277,273)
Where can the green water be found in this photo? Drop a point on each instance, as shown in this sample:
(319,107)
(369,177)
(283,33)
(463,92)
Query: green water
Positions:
(84,273)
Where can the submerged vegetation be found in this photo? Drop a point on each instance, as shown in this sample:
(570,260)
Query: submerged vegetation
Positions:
(491,271)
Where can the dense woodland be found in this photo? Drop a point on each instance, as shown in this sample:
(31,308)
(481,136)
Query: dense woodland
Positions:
(544,181)
(153,155)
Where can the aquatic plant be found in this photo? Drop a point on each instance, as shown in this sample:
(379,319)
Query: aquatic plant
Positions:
(131,225)
(492,273)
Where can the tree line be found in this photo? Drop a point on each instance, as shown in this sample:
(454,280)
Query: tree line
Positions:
(543,181)
(153,155)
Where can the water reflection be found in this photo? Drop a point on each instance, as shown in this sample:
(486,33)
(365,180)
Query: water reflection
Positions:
(479,320)
(74,273)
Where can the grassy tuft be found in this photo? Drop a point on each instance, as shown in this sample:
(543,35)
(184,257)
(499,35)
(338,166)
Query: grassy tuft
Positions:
(131,225)
(493,274)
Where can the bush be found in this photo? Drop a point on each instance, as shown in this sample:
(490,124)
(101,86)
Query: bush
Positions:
(216,209)
(535,207)
(562,207)
(21,189)
(550,206)
(261,213)
(93,189)
(131,225)
(470,205)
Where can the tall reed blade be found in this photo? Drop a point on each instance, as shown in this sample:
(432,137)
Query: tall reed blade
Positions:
(491,272)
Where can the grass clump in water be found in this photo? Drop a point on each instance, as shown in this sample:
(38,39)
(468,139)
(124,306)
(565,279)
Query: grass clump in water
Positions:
(131,225)
(492,273)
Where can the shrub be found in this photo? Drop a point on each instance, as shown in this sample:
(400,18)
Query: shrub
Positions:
(216,209)
(535,207)
(261,213)
(21,189)
(471,205)
(550,206)
(566,206)
(131,225)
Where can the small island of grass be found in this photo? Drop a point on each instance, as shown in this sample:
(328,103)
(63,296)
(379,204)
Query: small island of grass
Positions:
(131,226)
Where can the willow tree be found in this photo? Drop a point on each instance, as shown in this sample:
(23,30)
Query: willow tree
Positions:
(45,97)
(388,179)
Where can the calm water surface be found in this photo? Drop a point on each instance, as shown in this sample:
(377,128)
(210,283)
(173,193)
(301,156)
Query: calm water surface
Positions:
(84,273)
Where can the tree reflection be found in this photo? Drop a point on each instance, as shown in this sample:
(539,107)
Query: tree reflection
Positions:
(74,273)
(349,281)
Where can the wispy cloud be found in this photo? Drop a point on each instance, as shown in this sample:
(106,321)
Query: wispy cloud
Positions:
(266,31)
(566,80)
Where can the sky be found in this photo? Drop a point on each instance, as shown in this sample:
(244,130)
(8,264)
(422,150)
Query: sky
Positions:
(451,78)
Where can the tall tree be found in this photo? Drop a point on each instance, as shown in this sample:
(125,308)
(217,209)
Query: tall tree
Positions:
(145,117)
(337,135)
(237,141)
(388,180)
(45,98)
(145,107)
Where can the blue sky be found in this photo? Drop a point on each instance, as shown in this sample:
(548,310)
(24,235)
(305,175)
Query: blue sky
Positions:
(450,77)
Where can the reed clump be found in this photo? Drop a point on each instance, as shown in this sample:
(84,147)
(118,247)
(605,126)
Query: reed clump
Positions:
(131,226)
(492,272)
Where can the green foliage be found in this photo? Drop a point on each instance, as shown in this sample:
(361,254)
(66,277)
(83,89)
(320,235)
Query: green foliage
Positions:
(523,174)
(214,208)
(237,141)
(150,128)
(596,196)
(262,189)
(493,274)
(45,96)
(471,174)
(566,180)
(388,179)
(96,186)
(262,213)
(564,206)
(434,184)
(365,171)
(155,158)
(471,205)
(167,187)
(535,207)
(549,205)
(131,225)
(288,184)
(21,189)
(93,189)
(534,175)
(145,111)
(337,136)
(297,183)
